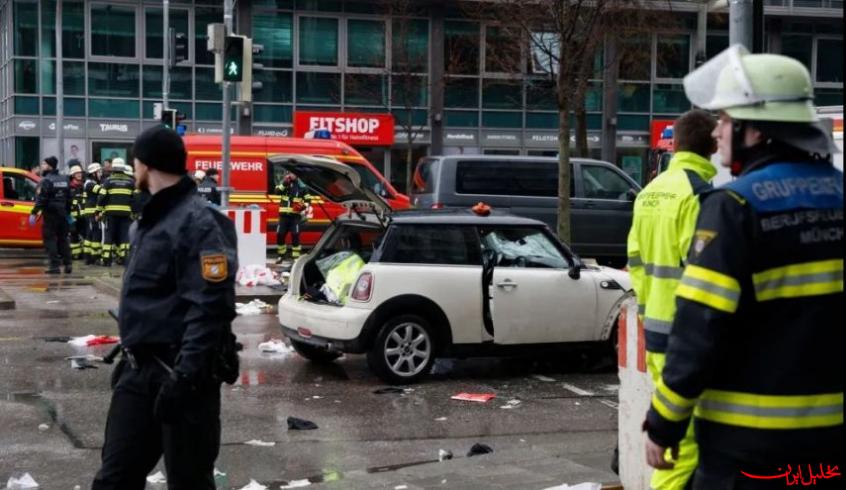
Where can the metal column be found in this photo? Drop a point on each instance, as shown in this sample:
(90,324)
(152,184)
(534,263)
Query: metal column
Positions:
(60,90)
(436,80)
(227,120)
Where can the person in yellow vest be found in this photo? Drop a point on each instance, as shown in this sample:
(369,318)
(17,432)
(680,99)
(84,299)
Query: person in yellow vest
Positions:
(755,354)
(77,229)
(115,203)
(292,203)
(664,220)
(92,245)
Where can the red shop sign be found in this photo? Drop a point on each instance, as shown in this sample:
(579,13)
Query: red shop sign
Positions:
(353,128)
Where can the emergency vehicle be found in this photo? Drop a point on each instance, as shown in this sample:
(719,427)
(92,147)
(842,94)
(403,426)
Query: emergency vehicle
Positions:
(833,115)
(17,197)
(254,179)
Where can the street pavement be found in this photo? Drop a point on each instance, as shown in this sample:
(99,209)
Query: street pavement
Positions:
(563,430)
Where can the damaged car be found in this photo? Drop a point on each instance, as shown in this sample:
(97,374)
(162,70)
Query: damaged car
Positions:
(408,287)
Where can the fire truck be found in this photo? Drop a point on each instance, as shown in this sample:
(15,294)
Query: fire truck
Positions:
(254,181)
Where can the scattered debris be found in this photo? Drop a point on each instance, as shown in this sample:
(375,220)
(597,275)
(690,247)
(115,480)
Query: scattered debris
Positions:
(401,487)
(253,485)
(82,364)
(258,442)
(479,449)
(60,338)
(440,419)
(275,346)
(444,455)
(92,340)
(43,427)
(300,424)
(157,477)
(254,307)
(543,378)
(55,301)
(316,397)
(390,390)
(580,486)
(474,397)
(511,404)
(296,484)
(256,275)
(21,482)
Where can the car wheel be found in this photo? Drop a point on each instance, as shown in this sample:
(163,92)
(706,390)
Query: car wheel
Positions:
(403,351)
(314,353)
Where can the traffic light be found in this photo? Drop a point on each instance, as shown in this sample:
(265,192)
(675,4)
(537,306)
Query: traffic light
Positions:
(233,59)
(169,118)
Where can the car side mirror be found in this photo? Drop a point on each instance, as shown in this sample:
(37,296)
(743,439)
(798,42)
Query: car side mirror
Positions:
(575,271)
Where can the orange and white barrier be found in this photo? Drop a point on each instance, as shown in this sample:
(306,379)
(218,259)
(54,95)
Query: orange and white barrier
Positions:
(252,235)
(635,394)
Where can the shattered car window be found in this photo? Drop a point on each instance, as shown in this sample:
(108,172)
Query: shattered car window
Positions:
(522,247)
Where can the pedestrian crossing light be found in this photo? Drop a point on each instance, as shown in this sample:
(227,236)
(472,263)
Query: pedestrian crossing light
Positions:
(233,59)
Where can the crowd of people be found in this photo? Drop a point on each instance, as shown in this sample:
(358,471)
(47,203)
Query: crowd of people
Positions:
(86,215)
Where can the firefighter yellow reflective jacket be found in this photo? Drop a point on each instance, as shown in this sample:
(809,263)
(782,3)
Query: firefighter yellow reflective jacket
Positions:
(664,219)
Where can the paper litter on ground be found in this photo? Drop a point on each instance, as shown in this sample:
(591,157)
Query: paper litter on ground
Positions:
(256,275)
(217,472)
(92,340)
(157,477)
(440,419)
(474,397)
(254,307)
(296,484)
(543,378)
(580,486)
(511,404)
(253,485)
(43,427)
(258,442)
(444,455)
(22,482)
(275,346)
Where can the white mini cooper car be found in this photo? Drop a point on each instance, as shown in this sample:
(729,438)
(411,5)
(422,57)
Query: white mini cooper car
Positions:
(439,283)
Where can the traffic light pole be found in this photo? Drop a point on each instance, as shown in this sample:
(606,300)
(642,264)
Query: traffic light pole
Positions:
(227,111)
(165,53)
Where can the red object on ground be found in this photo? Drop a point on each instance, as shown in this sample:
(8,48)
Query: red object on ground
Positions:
(481,209)
(474,397)
(102,340)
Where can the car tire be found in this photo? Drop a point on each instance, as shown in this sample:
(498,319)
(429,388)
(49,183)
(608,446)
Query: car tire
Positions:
(314,353)
(404,350)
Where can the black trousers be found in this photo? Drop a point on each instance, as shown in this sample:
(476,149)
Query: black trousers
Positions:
(54,231)
(718,471)
(288,223)
(135,440)
(78,232)
(116,243)
(94,237)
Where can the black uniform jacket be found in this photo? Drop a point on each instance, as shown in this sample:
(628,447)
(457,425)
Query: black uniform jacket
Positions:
(54,195)
(179,284)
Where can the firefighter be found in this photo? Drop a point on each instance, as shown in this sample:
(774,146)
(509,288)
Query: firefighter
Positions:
(115,205)
(94,235)
(664,219)
(77,229)
(755,351)
(291,206)
(52,203)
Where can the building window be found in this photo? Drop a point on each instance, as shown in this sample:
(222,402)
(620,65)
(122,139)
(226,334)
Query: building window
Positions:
(461,92)
(279,4)
(274,31)
(73,29)
(541,95)
(203,16)
(365,89)
(673,56)
(365,43)
(112,31)
(635,59)
(409,91)
(319,5)
(127,109)
(113,80)
(499,119)
(628,122)
(277,86)
(26,106)
(154,22)
(26,152)
(830,60)
(204,85)
(318,88)
(180,82)
(26,29)
(272,113)
(318,41)
(461,47)
(409,119)
(208,112)
(798,47)
(715,44)
(542,120)
(410,45)
(669,99)
(593,97)
(502,95)
(462,119)
(502,50)
(633,97)
(26,76)
(74,107)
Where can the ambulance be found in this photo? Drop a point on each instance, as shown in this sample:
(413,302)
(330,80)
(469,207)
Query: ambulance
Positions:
(17,197)
(254,180)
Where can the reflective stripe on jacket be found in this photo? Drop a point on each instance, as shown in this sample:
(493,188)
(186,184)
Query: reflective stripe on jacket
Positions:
(117,195)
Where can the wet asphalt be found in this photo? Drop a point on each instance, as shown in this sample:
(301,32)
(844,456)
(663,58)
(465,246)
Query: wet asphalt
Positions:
(562,407)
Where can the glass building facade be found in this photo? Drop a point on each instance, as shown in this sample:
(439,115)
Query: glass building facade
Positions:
(349,56)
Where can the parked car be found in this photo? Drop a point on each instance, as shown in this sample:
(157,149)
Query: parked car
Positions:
(601,195)
(439,283)
(17,197)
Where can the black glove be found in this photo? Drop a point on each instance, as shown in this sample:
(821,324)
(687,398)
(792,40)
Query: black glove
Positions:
(171,400)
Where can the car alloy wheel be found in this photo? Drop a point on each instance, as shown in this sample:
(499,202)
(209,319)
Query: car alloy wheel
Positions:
(407,349)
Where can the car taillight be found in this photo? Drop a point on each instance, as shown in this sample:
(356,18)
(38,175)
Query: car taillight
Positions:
(437,205)
(363,287)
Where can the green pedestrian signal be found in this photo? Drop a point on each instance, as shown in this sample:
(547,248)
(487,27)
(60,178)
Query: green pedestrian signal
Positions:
(233,59)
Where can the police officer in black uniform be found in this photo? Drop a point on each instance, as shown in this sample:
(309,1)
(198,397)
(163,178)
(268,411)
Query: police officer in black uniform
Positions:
(177,302)
(53,203)
(208,187)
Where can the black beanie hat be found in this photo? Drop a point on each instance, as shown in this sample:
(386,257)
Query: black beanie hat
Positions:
(52,161)
(161,148)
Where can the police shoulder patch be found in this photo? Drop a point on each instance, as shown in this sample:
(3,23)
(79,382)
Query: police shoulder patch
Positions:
(701,239)
(214,267)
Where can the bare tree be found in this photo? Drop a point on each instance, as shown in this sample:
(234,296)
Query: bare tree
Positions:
(563,38)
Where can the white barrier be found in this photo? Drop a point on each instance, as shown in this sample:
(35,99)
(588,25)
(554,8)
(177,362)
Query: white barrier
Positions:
(635,394)
(252,235)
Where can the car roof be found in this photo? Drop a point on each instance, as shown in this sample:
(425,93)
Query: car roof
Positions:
(460,216)
(516,159)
